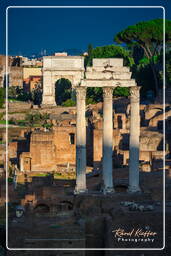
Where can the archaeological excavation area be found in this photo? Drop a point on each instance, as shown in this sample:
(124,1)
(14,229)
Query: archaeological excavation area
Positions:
(95,178)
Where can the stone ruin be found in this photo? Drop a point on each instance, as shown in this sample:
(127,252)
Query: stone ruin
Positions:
(91,216)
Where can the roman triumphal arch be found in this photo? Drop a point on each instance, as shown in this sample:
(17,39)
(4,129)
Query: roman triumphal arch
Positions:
(106,73)
(57,67)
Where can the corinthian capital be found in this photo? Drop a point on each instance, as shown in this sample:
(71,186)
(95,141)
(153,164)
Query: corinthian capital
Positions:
(81,93)
(135,93)
(107,92)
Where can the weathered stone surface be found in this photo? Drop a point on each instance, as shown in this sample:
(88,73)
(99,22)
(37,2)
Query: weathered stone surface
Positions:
(108,83)
(102,62)
(49,149)
(63,62)
(108,75)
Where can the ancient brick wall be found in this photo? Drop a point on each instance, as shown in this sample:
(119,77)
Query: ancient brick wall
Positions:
(16,76)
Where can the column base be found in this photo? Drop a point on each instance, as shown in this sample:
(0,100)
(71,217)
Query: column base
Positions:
(78,191)
(133,189)
(45,105)
(108,190)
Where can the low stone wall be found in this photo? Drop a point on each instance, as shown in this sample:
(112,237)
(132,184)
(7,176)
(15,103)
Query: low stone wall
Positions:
(18,106)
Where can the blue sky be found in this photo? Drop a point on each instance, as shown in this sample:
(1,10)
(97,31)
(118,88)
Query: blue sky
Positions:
(33,30)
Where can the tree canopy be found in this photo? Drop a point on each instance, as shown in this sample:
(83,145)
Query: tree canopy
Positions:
(146,34)
(149,36)
(2,97)
(109,51)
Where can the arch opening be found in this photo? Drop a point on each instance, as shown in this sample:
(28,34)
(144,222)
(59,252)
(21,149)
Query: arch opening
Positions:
(63,91)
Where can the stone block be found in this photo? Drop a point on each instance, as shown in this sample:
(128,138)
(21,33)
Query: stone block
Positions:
(101,62)
(63,62)
(108,83)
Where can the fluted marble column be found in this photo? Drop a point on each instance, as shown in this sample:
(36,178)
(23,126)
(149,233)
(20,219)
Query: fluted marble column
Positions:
(134,141)
(80,142)
(107,140)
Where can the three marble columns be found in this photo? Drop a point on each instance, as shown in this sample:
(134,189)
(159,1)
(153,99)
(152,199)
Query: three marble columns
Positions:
(107,141)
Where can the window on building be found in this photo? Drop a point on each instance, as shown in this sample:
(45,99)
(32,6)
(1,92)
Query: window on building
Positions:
(72,138)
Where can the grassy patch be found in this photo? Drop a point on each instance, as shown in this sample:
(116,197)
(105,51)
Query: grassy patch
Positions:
(4,122)
(40,174)
(64,176)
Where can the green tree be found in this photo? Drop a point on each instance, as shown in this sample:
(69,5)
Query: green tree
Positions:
(121,91)
(45,116)
(30,119)
(113,51)
(21,95)
(2,97)
(88,58)
(63,90)
(149,36)
(33,119)
(168,68)
(12,92)
(69,103)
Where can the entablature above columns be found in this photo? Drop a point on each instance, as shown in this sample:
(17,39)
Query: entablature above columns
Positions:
(108,75)
(107,83)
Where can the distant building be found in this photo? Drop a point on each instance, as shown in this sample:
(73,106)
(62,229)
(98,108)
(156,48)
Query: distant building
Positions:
(61,54)
(32,83)
(26,62)
(32,78)
(31,71)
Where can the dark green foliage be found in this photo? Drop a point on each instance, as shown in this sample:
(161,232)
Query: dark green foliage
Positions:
(121,91)
(149,36)
(63,90)
(12,92)
(94,95)
(146,34)
(113,51)
(90,101)
(19,94)
(47,125)
(88,58)
(2,97)
(168,68)
(37,119)
(144,78)
(32,119)
(45,116)
(109,51)
(69,103)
